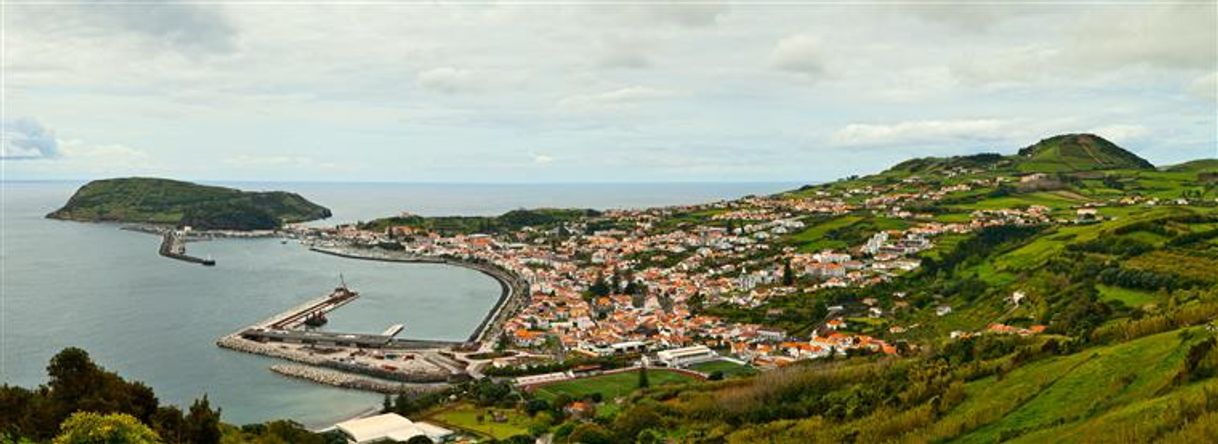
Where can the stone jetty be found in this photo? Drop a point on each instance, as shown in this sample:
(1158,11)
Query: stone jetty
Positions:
(356,382)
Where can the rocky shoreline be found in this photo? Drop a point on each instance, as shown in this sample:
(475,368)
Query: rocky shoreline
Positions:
(356,382)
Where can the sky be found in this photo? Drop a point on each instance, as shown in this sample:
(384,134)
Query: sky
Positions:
(586,92)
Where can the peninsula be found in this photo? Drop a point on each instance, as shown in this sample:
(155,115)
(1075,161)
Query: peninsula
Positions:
(178,203)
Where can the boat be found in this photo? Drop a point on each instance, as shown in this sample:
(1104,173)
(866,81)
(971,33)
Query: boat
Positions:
(317,319)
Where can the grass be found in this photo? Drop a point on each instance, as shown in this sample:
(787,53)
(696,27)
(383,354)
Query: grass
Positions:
(465,416)
(1131,298)
(728,368)
(1055,200)
(612,385)
(813,238)
(1073,388)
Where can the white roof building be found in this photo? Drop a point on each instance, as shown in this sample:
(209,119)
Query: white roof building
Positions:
(388,427)
(680,357)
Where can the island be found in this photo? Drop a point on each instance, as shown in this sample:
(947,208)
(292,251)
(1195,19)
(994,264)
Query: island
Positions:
(172,202)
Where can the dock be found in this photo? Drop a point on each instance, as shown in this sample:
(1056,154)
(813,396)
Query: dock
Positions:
(173,246)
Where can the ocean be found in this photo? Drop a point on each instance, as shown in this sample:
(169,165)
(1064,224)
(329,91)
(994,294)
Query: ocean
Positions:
(156,320)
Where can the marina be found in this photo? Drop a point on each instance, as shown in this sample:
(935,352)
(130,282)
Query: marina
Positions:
(367,361)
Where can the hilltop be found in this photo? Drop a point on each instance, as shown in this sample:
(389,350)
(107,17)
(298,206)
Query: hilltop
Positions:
(165,201)
(1078,152)
(1062,154)
(1207,165)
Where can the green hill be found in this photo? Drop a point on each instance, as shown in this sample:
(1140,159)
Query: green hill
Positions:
(927,165)
(1078,152)
(164,201)
(1199,165)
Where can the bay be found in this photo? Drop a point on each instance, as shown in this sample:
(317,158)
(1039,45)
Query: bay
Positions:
(155,320)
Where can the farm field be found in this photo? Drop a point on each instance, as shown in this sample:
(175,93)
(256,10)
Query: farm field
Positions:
(728,368)
(612,385)
(465,416)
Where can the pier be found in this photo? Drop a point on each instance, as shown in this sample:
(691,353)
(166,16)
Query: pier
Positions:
(173,246)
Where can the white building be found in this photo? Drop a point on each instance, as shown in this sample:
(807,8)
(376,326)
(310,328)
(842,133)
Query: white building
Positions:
(388,427)
(681,357)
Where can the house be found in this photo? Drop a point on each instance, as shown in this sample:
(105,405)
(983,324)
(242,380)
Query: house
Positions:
(681,357)
(529,338)
(773,334)
(389,427)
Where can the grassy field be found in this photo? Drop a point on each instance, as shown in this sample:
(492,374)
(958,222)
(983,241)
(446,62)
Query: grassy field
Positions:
(813,238)
(465,416)
(1074,388)
(612,385)
(728,368)
(1051,199)
(1131,298)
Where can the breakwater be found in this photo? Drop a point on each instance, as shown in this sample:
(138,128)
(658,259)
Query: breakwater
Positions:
(173,246)
(421,372)
(355,382)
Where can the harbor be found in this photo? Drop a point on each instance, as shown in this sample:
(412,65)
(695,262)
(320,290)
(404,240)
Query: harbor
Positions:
(384,362)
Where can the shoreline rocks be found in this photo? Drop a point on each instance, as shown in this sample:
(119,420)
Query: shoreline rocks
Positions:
(356,382)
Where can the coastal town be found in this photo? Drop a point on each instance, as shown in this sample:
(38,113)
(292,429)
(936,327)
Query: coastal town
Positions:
(637,282)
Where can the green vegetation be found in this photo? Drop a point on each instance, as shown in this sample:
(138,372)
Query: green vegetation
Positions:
(724,368)
(1078,152)
(492,422)
(163,201)
(85,403)
(1194,166)
(611,385)
(541,218)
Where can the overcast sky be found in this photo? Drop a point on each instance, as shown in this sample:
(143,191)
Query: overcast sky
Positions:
(567,92)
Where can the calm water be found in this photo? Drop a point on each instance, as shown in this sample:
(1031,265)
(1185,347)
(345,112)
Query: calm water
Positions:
(152,319)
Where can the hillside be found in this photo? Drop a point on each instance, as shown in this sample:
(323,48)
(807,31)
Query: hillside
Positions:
(164,201)
(1078,152)
(1199,165)
(506,222)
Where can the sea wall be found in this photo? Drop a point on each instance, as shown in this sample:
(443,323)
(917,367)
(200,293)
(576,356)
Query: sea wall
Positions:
(234,342)
(355,382)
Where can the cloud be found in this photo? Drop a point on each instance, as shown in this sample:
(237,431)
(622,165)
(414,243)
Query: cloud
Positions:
(799,54)
(921,132)
(686,15)
(187,28)
(114,154)
(1122,134)
(1168,37)
(248,161)
(541,159)
(449,80)
(623,55)
(617,97)
(1205,87)
(26,138)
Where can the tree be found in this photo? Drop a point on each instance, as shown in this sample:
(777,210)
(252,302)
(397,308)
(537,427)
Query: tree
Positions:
(169,424)
(202,423)
(536,405)
(630,423)
(91,427)
(590,434)
(788,274)
(643,382)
